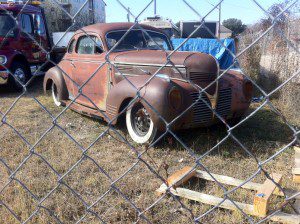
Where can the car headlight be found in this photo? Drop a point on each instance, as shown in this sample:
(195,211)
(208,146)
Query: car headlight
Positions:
(175,98)
(248,90)
(3,59)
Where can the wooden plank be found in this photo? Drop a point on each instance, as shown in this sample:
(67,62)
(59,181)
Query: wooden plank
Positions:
(297,162)
(213,200)
(161,190)
(180,177)
(248,209)
(262,197)
(285,218)
(237,182)
(228,180)
(296,171)
(296,179)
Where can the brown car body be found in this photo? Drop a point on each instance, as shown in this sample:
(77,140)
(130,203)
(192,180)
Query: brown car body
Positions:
(111,89)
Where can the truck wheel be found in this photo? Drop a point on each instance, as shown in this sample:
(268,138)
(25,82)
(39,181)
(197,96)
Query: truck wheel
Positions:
(20,72)
(55,96)
(139,124)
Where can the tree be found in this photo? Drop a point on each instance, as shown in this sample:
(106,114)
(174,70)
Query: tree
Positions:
(235,25)
(276,11)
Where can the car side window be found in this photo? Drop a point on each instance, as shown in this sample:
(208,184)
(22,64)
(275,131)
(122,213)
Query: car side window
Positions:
(98,46)
(71,46)
(39,24)
(26,23)
(89,45)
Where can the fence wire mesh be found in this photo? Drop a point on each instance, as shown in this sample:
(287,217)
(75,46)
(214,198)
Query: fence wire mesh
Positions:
(57,166)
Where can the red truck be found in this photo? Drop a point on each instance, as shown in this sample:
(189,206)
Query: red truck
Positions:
(24,43)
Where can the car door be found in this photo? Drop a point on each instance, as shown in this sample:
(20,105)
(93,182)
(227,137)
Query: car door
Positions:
(91,72)
(30,47)
(66,65)
(40,36)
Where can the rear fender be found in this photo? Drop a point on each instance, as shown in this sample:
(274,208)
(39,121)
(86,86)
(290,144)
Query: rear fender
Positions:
(55,75)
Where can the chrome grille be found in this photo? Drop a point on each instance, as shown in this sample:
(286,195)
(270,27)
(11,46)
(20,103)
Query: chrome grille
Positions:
(202,112)
(224,103)
(203,80)
(202,77)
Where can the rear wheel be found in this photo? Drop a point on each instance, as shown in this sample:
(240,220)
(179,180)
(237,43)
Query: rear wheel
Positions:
(140,125)
(55,96)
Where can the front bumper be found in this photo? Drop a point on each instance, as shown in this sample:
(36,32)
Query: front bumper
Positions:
(4,77)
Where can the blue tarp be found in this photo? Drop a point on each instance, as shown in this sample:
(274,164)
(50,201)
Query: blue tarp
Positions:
(209,46)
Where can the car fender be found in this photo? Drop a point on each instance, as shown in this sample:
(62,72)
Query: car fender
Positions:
(56,75)
(153,96)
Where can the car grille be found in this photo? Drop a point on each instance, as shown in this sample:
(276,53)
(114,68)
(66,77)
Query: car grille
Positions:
(202,112)
(224,103)
(203,80)
(201,77)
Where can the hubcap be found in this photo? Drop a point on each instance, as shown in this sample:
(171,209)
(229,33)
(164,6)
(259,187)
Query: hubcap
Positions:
(20,75)
(141,120)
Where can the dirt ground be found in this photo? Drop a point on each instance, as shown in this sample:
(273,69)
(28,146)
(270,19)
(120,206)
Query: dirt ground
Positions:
(263,135)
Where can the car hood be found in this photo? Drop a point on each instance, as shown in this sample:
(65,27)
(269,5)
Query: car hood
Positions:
(160,58)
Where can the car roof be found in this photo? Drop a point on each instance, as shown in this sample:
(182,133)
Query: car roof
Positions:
(104,28)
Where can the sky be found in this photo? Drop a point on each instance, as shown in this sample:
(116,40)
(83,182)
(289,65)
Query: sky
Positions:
(177,10)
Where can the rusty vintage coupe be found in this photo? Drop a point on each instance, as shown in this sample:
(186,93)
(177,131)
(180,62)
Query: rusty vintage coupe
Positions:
(134,59)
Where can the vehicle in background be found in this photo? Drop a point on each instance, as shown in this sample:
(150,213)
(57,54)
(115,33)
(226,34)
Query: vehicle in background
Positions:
(186,29)
(206,30)
(24,43)
(103,90)
(166,25)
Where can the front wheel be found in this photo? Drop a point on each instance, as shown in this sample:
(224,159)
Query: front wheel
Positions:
(21,75)
(140,125)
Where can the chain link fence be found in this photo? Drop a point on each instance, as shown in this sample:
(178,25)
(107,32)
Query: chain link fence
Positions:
(57,166)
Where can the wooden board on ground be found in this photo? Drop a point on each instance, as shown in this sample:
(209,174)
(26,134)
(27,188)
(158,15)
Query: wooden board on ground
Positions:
(262,196)
(259,208)
(296,170)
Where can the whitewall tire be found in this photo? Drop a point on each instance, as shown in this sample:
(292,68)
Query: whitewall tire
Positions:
(55,96)
(139,124)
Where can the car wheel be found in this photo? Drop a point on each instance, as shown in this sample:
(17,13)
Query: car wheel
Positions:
(55,96)
(140,125)
(21,72)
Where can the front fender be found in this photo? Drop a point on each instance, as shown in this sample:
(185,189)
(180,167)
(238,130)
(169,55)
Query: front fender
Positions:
(11,55)
(154,97)
(55,75)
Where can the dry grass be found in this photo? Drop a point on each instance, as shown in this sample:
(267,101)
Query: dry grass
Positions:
(263,134)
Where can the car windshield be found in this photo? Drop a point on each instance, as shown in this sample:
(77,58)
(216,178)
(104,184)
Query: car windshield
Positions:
(137,40)
(7,25)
